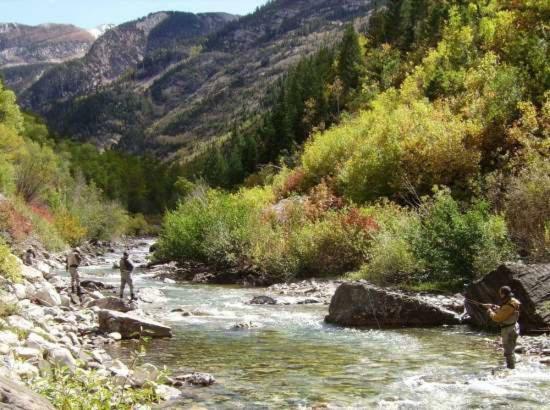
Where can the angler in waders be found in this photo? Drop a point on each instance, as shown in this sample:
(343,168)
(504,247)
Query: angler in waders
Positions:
(507,316)
(73,262)
(126,269)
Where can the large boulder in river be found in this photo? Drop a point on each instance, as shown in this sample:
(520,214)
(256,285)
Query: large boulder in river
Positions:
(364,305)
(19,397)
(112,303)
(530,284)
(131,327)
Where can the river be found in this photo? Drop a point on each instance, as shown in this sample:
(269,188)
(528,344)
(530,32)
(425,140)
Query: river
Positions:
(295,360)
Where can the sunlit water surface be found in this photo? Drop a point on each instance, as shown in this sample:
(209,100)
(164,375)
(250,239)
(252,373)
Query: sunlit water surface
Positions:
(296,360)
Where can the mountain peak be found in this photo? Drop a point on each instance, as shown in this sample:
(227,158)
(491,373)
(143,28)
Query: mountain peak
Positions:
(100,30)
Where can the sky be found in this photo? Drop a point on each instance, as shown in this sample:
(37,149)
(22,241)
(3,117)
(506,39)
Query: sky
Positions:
(91,13)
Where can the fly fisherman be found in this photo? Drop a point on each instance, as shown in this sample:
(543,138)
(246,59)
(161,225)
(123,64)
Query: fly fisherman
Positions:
(126,269)
(507,316)
(74,259)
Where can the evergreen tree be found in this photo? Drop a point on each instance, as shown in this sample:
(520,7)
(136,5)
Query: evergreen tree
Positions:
(350,60)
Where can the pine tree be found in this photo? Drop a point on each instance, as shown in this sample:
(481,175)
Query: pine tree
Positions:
(350,60)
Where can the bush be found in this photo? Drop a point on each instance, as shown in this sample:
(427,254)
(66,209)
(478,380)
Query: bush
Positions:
(392,260)
(69,228)
(210,226)
(456,245)
(9,266)
(139,227)
(8,309)
(527,209)
(88,390)
(102,219)
(333,246)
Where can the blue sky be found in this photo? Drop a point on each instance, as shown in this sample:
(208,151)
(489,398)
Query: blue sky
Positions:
(90,13)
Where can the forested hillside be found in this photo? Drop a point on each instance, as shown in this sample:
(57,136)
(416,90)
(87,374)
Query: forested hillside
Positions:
(436,172)
(44,195)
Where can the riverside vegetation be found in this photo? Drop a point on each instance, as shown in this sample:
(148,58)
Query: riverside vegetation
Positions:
(436,172)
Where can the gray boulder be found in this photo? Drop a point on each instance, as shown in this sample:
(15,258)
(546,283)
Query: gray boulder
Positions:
(531,286)
(47,295)
(19,397)
(112,303)
(364,305)
(131,327)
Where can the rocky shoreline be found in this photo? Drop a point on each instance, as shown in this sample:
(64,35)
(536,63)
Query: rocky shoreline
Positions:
(44,329)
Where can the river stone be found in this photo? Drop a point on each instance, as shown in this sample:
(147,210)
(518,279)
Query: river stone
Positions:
(112,303)
(62,357)
(44,268)
(167,393)
(18,397)
(145,373)
(196,379)
(31,274)
(531,286)
(19,323)
(151,295)
(95,285)
(38,342)
(27,353)
(47,295)
(263,300)
(9,338)
(131,327)
(357,304)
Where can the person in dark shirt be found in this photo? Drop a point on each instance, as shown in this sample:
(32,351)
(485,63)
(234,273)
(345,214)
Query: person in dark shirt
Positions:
(126,269)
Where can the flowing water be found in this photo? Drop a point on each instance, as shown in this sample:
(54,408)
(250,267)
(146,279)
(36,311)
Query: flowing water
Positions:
(295,360)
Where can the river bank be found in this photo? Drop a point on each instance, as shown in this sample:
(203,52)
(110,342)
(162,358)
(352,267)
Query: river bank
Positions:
(281,354)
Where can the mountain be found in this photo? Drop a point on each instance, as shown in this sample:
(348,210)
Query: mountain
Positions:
(169,82)
(27,51)
(100,30)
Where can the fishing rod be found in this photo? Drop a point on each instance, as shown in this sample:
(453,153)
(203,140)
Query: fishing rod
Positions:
(474,302)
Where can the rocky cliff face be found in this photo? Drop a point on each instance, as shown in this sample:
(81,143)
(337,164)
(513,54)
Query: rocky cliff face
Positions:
(170,81)
(26,52)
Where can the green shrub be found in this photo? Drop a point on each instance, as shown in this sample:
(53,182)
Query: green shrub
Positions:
(8,309)
(527,209)
(88,390)
(210,226)
(459,245)
(332,246)
(9,266)
(139,226)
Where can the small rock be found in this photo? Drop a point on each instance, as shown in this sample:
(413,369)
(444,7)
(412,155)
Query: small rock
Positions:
(244,325)
(145,373)
(27,353)
(151,295)
(196,379)
(112,303)
(25,370)
(263,300)
(115,336)
(4,349)
(119,369)
(17,322)
(309,302)
(9,338)
(167,393)
(62,357)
